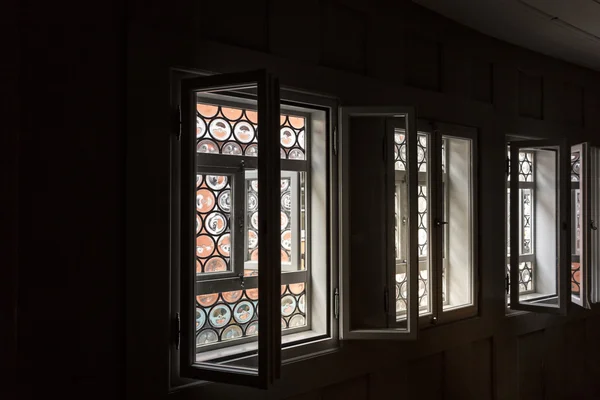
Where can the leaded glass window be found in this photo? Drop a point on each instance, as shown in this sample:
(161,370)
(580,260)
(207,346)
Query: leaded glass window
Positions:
(526,164)
(576,228)
(227,223)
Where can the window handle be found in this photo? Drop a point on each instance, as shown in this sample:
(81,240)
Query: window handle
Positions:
(440,223)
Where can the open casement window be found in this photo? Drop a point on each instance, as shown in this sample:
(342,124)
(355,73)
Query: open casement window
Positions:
(585,217)
(228,174)
(446,221)
(369,259)
(539,226)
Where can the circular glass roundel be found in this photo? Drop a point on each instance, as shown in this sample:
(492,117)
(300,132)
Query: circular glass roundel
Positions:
(252,202)
(205,200)
(232,332)
(232,148)
(207,146)
(216,182)
(285,184)
(244,132)
(286,201)
(200,318)
(215,223)
(297,321)
(252,239)
(288,305)
(232,114)
(219,129)
(224,200)
(207,110)
(243,312)
(286,240)
(251,150)
(282,154)
(297,288)
(285,257)
(254,220)
(398,138)
(224,245)
(215,264)
(219,315)
(207,300)
(288,137)
(284,220)
(252,294)
(301,139)
(296,154)
(199,180)
(205,246)
(252,328)
(232,297)
(206,336)
(421,288)
(200,127)
(283,324)
(302,304)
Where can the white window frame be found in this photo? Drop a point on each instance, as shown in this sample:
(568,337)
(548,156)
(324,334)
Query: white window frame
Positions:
(302,342)
(532,302)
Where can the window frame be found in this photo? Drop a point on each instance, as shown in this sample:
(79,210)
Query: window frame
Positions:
(346,331)
(304,344)
(563,220)
(584,184)
(269,337)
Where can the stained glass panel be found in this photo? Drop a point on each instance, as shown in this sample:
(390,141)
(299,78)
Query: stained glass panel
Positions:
(526,215)
(233,315)
(234,131)
(422,220)
(575,278)
(213,220)
(575,166)
(288,221)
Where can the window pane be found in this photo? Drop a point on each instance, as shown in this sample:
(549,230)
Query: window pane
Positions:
(401,225)
(213,223)
(228,316)
(292,221)
(233,131)
(576,223)
(457,189)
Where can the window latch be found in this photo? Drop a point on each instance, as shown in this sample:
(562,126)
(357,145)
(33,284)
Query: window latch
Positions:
(336,303)
(177,330)
(440,223)
(177,122)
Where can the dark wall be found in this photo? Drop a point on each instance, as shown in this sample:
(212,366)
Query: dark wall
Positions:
(68,232)
(70,240)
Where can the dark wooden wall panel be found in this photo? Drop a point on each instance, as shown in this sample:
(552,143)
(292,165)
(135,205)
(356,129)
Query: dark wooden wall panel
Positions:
(352,389)
(426,377)
(592,356)
(422,64)
(530,366)
(573,103)
(344,37)
(238,22)
(468,371)
(482,73)
(290,30)
(531,95)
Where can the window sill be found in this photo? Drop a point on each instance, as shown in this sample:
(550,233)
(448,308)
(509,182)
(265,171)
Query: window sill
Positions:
(298,342)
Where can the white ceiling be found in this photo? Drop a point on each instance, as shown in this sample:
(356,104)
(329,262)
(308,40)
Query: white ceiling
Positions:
(565,29)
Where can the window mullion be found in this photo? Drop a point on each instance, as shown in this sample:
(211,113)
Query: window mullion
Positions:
(437,224)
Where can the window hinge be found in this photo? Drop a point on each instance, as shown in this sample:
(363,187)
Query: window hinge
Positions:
(336,303)
(386,300)
(177,330)
(177,122)
(335,140)
(507,283)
